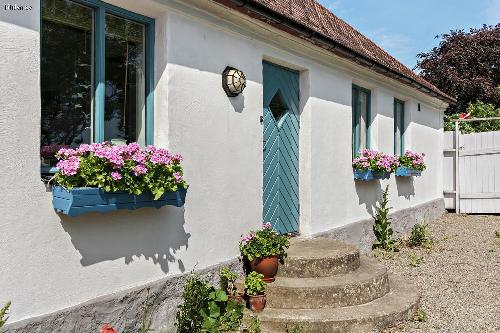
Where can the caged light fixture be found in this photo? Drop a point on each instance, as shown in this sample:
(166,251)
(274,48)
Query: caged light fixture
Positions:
(233,81)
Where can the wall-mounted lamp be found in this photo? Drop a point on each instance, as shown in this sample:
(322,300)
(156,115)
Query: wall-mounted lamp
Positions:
(233,81)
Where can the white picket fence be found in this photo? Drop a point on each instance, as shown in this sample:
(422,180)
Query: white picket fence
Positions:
(477,173)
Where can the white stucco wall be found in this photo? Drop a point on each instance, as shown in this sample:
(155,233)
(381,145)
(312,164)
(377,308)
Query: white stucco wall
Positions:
(50,261)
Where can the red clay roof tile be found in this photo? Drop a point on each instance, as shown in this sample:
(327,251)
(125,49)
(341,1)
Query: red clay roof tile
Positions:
(312,15)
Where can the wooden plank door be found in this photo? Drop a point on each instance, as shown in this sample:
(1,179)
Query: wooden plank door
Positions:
(281,148)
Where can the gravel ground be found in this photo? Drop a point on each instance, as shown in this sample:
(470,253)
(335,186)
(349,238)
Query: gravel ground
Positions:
(459,276)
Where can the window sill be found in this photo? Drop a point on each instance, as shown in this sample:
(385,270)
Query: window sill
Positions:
(48,170)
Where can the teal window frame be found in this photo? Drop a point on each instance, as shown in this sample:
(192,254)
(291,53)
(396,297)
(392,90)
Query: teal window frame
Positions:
(401,120)
(356,119)
(100,10)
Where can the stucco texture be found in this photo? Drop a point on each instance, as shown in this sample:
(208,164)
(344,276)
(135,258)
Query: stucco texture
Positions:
(51,262)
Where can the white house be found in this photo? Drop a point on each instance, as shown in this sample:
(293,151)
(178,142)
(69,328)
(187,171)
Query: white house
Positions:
(74,71)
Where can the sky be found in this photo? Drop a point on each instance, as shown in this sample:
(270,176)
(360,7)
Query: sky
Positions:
(405,28)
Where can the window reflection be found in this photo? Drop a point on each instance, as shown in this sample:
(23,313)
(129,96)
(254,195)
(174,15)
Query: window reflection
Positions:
(125,83)
(66,76)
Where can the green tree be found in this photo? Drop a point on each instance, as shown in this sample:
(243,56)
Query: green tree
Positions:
(476,110)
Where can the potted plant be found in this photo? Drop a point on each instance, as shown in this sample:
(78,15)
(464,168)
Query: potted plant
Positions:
(255,289)
(371,164)
(410,164)
(101,177)
(228,283)
(264,249)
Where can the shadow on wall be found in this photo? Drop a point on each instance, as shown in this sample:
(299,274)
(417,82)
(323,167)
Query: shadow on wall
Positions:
(238,103)
(369,193)
(405,187)
(153,233)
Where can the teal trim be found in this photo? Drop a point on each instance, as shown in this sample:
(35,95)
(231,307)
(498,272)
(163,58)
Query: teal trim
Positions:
(150,82)
(109,8)
(368,119)
(355,123)
(356,104)
(399,117)
(100,73)
(402,139)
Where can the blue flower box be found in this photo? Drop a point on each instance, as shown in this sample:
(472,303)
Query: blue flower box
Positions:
(83,200)
(365,174)
(407,172)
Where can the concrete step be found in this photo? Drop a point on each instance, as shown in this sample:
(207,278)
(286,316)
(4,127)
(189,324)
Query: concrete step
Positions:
(400,304)
(320,257)
(361,286)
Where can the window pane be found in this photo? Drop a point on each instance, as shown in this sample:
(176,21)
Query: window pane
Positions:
(399,127)
(125,109)
(363,101)
(66,75)
(354,121)
(397,132)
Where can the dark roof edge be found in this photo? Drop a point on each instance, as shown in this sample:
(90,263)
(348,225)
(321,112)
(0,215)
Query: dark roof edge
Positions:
(284,23)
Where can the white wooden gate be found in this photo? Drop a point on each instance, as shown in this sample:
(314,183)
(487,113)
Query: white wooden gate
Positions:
(477,173)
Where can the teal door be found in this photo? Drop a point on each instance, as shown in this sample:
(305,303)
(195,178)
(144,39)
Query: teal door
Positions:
(281,148)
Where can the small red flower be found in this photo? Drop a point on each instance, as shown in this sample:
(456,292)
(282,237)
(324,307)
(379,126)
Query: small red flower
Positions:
(108,329)
(464,115)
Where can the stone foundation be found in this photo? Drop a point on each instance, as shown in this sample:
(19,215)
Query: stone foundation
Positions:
(361,233)
(122,310)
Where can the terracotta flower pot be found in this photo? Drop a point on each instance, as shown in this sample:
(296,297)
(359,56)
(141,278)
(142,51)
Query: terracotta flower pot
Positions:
(238,298)
(257,303)
(267,266)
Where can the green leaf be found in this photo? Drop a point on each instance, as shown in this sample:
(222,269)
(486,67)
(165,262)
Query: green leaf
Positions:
(220,295)
(159,193)
(214,310)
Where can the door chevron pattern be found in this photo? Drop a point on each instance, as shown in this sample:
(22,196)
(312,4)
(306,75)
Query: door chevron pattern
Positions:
(281,148)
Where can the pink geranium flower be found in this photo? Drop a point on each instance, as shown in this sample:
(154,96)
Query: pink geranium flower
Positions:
(116,175)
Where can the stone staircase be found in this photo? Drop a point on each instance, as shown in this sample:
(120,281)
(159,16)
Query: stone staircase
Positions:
(325,286)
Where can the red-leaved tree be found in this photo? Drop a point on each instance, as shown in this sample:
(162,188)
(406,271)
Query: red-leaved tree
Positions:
(465,65)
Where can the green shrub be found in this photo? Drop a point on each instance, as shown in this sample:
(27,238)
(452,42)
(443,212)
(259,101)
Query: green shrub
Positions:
(254,285)
(3,313)
(206,309)
(254,326)
(497,234)
(476,110)
(221,315)
(189,318)
(228,280)
(419,236)
(382,226)
(415,260)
